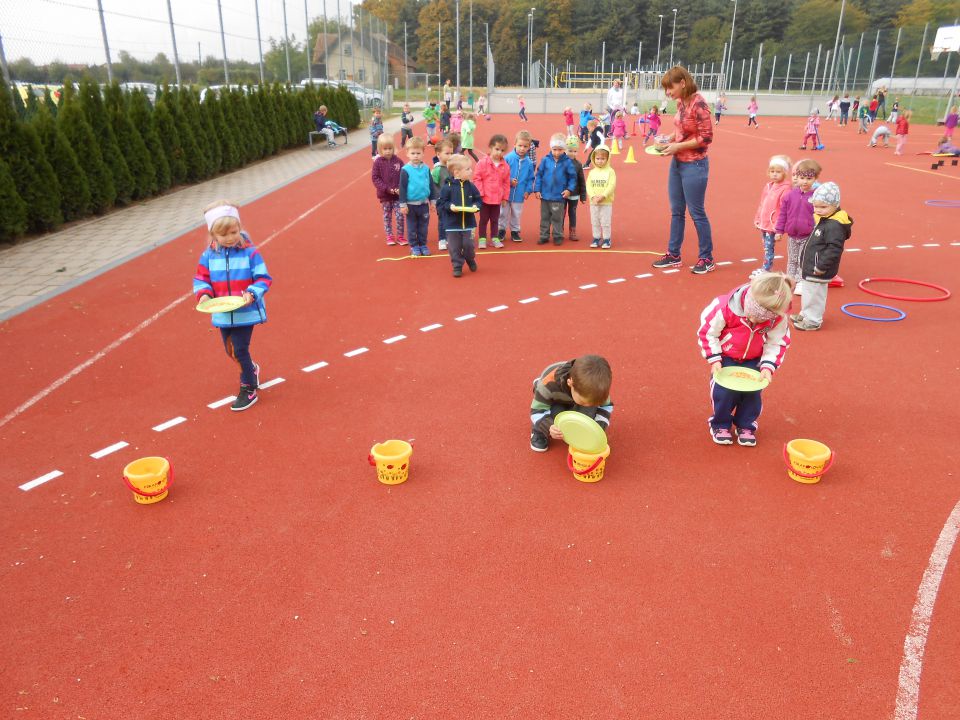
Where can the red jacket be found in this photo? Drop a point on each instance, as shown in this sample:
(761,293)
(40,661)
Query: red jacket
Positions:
(725,331)
(903,126)
(771,197)
(493,181)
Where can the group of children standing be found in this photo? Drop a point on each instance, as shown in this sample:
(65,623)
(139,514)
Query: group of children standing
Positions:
(593,130)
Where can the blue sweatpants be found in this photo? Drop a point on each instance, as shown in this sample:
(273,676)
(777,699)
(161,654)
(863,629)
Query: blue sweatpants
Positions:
(418,222)
(236,341)
(735,408)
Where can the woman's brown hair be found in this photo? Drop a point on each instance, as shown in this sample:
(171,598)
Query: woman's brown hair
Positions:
(674,75)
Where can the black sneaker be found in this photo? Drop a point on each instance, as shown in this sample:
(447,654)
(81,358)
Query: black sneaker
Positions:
(502,233)
(539,442)
(668,261)
(472,264)
(703,267)
(515,236)
(457,272)
(245,398)
(542,241)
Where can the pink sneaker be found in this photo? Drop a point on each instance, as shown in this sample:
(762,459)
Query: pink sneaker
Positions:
(721,436)
(401,240)
(391,240)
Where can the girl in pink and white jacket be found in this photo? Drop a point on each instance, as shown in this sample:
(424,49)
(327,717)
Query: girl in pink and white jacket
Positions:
(746,327)
(492,179)
(768,212)
(752,110)
(811,131)
(619,129)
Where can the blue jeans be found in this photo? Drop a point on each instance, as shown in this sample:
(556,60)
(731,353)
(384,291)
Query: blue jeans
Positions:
(418,220)
(687,188)
(769,248)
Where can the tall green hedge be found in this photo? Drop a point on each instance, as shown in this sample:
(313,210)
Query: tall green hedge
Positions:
(74,188)
(91,101)
(13,210)
(132,146)
(73,123)
(141,115)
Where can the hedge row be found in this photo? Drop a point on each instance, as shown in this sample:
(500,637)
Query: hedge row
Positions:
(94,150)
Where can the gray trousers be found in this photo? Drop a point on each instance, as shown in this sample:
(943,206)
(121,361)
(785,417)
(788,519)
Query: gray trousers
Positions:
(461,248)
(551,218)
(814,301)
(510,216)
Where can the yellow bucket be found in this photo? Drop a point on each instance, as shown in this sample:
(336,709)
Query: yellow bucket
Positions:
(149,478)
(392,459)
(807,460)
(587,467)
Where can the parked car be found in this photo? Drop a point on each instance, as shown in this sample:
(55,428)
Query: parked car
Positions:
(149,89)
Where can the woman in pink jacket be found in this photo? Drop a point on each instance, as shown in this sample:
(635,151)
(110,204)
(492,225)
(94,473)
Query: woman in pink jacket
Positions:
(771,197)
(492,178)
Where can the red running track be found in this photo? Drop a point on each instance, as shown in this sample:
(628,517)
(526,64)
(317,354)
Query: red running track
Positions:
(279,579)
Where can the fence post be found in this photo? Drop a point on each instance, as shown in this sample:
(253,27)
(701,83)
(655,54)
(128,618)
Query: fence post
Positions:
(856,69)
(750,74)
(773,70)
(306,25)
(6,71)
(923,43)
(786,83)
(723,64)
(106,44)
(846,71)
(873,65)
(826,64)
(756,82)
(816,69)
(173,38)
(803,87)
(743,69)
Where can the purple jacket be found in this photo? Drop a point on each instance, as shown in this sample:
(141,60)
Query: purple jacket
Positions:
(386,177)
(796,214)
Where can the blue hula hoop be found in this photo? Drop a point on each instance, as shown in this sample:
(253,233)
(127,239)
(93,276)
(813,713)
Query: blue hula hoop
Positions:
(843,309)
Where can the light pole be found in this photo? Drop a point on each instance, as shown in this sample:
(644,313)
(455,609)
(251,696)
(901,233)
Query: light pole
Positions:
(674,36)
(458,47)
(733,24)
(659,32)
(530,43)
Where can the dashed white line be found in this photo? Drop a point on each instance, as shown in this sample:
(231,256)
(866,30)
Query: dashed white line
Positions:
(358,351)
(428,328)
(222,401)
(468,316)
(955,244)
(878,247)
(271,383)
(850,250)
(904,246)
(40,480)
(557,293)
(588,286)
(497,308)
(525,301)
(169,424)
(614,281)
(749,260)
(110,449)
(931,244)
(395,338)
(643,275)
(671,271)
(315,366)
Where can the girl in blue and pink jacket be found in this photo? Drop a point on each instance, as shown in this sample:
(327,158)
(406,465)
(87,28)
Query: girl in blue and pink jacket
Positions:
(768,212)
(746,327)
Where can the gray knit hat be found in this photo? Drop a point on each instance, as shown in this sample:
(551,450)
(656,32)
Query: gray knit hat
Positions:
(828,193)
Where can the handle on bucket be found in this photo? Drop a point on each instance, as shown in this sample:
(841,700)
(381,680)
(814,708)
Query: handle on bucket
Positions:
(140,492)
(786,458)
(370,459)
(589,470)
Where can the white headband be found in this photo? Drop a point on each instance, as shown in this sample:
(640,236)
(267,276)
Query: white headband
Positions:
(221,211)
(557,143)
(779,161)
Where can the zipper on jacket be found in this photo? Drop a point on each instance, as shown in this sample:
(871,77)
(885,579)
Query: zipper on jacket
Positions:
(226,255)
(463,202)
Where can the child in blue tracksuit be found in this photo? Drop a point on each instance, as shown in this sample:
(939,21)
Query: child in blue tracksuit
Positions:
(586,115)
(231,266)
(376,130)
(417,193)
(522,169)
(556,181)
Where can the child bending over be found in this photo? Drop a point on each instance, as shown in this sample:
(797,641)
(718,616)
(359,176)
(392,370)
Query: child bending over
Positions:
(582,385)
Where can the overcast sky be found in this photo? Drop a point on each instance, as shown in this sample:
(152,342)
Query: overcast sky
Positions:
(69,30)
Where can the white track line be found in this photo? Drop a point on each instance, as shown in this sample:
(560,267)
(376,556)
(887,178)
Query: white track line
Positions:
(558,293)
(878,247)
(850,250)
(221,402)
(271,383)
(588,286)
(358,351)
(931,244)
(746,260)
(914,644)
(496,308)
(671,271)
(725,262)
(156,316)
(315,366)
(109,450)
(428,328)
(528,300)
(468,316)
(40,480)
(395,338)
(169,424)
(643,275)
(614,281)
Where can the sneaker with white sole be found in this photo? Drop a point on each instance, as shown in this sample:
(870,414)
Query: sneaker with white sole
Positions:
(482,243)
(245,398)
(703,267)
(605,245)
(668,261)
(539,442)
(595,243)
(442,245)
(746,437)
(497,243)
(721,436)
(804,324)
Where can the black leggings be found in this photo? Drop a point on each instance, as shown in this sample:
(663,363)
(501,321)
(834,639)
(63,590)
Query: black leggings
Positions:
(472,154)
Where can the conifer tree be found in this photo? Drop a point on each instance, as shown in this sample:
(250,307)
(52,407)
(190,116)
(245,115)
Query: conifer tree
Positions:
(74,188)
(18,105)
(131,143)
(92,103)
(264,121)
(214,149)
(224,131)
(141,115)
(32,104)
(166,128)
(32,174)
(13,210)
(73,123)
(50,103)
(190,138)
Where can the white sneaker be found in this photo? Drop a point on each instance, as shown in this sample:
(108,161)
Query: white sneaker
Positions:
(442,245)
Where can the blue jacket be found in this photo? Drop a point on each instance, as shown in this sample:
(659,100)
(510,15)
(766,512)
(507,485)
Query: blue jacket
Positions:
(555,176)
(234,271)
(416,184)
(462,193)
(522,169)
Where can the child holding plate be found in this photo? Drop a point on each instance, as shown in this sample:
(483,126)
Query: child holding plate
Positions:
(745,328)
(582,385)
(232,267)
(459,202)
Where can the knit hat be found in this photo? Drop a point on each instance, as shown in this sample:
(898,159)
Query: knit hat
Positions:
(573,143)
(828,193)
